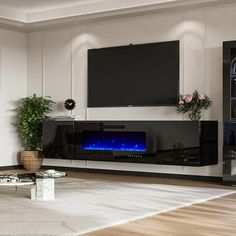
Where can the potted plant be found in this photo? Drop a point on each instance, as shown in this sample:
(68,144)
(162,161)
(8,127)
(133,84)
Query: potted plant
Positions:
(193,104)
(30,114)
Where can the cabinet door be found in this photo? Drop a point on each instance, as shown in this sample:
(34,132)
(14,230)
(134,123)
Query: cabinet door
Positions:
(229,81)
(209,142)
(226,83)
(58,139)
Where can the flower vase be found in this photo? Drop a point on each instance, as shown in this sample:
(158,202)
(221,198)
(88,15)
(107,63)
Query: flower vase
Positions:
(195,115)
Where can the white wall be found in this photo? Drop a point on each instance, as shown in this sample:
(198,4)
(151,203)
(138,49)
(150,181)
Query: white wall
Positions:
(13,86)
(58,67)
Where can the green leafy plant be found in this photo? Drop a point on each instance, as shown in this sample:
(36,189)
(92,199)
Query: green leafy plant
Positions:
(193,104)
(30,114)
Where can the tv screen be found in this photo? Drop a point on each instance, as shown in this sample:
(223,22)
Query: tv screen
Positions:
(134,75)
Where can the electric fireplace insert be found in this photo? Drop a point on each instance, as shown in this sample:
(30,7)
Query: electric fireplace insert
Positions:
(114,141)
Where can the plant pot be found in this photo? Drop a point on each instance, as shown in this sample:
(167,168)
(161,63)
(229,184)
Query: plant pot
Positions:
(32,160)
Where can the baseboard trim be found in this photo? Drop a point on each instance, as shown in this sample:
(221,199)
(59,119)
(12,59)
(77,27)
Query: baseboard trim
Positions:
(11,167)
(121,172)
(136,173)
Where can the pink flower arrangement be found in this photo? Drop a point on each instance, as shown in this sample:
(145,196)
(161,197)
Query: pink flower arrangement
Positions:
(193,104)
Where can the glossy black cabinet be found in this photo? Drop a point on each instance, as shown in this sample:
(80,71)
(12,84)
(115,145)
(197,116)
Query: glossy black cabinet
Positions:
(58,139)
(229,164)
(229,111)
(189,143)
(229,81)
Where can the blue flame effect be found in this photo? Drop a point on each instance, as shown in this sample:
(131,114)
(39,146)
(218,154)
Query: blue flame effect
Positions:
(114,141)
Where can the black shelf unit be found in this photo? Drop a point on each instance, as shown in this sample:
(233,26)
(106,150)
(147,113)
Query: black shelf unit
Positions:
(229,81)
(229,112)
(184,143)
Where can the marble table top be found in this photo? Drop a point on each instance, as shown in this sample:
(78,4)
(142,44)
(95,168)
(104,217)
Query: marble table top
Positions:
(17,184)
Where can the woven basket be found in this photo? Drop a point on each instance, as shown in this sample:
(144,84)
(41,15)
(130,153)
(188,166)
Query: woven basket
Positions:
(32,160)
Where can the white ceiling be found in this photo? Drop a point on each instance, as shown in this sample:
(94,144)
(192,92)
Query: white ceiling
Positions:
(30,12)
(41,5)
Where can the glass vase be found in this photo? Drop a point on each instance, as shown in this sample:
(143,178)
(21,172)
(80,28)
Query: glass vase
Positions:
(195,115)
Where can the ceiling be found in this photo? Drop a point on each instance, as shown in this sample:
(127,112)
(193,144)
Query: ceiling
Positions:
(29,11)
(25,13)
(30,6)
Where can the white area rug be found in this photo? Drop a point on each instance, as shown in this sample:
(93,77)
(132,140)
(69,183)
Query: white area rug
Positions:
(86,205)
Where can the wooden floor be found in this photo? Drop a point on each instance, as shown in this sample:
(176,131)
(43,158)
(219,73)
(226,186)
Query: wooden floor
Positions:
(212,218)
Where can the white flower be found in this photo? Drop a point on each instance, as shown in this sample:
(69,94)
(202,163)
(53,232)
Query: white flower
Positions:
(201,97)
(181,102)
(189,98)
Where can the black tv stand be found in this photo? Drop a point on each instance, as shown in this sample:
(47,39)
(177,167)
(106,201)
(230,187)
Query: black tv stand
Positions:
(186,143)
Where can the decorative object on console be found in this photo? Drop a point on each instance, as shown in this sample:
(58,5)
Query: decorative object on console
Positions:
(31,112)
(69,104)
(193,104)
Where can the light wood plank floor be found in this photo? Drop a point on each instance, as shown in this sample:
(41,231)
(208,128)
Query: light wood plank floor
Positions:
(212,218)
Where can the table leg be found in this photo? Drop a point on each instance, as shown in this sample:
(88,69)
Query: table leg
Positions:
(44,190)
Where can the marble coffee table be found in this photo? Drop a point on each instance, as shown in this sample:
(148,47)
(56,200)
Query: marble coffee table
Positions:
(43,189)
(17,184)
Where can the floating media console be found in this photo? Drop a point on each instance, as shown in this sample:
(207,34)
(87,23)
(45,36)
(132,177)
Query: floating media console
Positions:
(190,143)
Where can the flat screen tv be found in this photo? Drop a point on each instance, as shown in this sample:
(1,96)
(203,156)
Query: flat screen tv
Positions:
(134,75)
